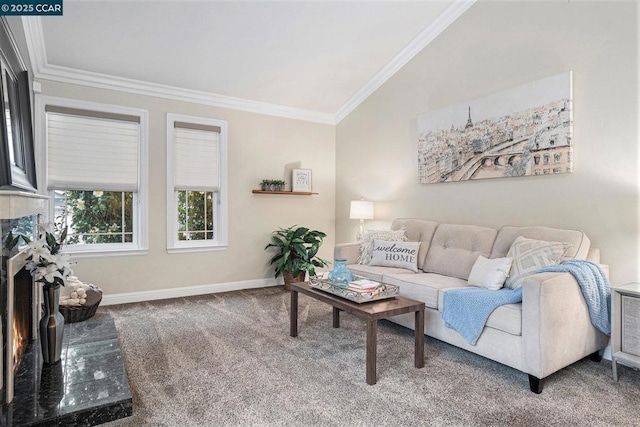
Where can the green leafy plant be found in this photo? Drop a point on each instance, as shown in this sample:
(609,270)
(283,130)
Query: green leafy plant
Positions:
(97,217)
(297,250)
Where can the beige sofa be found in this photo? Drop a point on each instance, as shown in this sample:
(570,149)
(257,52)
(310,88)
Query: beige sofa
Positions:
(549,330)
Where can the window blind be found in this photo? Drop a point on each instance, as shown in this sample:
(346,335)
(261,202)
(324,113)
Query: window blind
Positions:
(196,159)
(92,153)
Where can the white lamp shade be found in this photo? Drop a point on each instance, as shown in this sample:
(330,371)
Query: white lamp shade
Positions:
(361,209)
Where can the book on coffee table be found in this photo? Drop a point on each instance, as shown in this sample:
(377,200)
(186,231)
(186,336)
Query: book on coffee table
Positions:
(380,292)
(364,284)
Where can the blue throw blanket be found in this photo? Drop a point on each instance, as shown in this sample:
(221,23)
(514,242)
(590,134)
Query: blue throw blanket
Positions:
(595,288)
(466,310)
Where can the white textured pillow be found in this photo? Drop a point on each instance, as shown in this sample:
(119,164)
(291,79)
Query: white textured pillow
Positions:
(395,254)
(366,247)
(531,255)
(490,273)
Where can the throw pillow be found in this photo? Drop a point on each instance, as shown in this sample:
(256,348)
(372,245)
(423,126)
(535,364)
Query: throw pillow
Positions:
(366,247)
(531,255)
(395,254)
(490,273)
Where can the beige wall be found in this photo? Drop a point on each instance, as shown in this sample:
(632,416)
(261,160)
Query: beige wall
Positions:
(494,46)
(259,146)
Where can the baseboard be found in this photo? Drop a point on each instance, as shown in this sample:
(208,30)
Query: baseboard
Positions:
(187,291)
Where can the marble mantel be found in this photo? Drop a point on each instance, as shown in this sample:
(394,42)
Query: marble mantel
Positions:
(17,204)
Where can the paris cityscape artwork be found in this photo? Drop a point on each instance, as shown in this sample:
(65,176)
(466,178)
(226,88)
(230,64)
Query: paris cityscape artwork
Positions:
(522,131)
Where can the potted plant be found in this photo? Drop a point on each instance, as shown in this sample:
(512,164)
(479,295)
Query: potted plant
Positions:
(297,253)
(264,184)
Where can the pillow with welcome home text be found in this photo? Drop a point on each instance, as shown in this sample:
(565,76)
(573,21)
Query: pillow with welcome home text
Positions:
(395,254)
(366,246)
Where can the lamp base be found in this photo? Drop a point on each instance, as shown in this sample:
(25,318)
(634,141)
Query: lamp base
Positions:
(360,234)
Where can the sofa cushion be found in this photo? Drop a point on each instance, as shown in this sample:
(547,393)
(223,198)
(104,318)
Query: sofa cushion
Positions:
(417,230)
(506,318)
(366,247)
(423,286)
(395,254)
(579,243)
(455,248)
(529,256)
(375,272)
(490,273)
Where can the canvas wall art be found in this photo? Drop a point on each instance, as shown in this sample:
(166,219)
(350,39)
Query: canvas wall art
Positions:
(521,131)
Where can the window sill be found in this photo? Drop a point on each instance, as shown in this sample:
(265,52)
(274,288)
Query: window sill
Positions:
(181,249)
(99,253)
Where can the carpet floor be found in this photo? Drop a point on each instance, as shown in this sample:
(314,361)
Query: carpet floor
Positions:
(227,360)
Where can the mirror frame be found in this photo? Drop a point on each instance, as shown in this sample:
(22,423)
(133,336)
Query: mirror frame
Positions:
(15,175)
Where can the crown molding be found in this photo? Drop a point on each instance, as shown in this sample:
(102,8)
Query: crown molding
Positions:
(103,81)
(425,37)
(43,70)
(35,42)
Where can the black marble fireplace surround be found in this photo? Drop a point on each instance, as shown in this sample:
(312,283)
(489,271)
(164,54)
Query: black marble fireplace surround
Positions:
(89,386)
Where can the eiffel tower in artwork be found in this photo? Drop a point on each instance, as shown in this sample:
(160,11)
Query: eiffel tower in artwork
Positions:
(469,122)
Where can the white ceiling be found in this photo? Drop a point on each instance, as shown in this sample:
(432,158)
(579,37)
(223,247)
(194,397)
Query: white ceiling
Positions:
(313,56)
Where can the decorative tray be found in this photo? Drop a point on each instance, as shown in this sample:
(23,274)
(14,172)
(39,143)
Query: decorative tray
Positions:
(381,292)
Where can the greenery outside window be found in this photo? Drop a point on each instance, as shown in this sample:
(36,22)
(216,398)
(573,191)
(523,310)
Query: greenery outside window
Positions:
(195,215)
(196,183)
(94,216)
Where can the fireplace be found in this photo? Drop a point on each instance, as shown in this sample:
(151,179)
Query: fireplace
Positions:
(19,297)
(23,311)
(19,318)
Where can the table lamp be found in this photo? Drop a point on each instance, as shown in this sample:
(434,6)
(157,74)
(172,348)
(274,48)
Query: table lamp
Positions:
(361,209)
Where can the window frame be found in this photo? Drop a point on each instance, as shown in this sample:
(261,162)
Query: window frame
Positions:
(140,244)
(220,197)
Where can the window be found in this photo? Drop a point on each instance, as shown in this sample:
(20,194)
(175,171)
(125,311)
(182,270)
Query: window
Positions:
(196,183)
(95,157)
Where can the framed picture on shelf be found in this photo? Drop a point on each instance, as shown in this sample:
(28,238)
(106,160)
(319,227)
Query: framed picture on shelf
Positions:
(301,180)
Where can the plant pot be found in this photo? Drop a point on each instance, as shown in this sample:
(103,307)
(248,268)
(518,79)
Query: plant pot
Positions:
(289,279)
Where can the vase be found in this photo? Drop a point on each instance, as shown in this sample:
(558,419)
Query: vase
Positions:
(51,325)
(340,276)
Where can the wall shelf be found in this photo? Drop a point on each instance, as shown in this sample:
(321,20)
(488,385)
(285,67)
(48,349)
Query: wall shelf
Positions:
(289,193)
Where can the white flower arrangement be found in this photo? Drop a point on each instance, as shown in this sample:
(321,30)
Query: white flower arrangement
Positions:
(45,262)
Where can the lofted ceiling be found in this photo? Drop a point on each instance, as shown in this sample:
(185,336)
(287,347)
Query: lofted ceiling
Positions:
(317,57)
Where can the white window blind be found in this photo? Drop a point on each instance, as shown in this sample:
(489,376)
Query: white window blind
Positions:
(92,153)
(196,159)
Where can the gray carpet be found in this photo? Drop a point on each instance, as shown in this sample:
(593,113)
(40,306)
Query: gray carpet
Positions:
(227,359)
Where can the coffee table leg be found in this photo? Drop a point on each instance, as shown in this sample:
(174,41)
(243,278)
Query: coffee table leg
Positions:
(336,317)
(372,350)
(419,353)
(293,328)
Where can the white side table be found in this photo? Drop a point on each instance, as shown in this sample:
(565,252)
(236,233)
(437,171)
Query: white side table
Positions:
(625,326)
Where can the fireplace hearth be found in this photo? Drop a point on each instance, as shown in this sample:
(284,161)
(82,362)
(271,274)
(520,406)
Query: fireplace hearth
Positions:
(89,386)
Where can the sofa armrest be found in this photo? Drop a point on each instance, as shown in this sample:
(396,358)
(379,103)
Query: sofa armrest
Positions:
(349,251)
(556,328)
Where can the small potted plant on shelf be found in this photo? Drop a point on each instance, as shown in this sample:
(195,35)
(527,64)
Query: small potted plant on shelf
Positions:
(297,253)
(264,184)
(280,185)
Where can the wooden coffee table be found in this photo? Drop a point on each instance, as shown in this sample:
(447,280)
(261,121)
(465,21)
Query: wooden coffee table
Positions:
(371,312)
